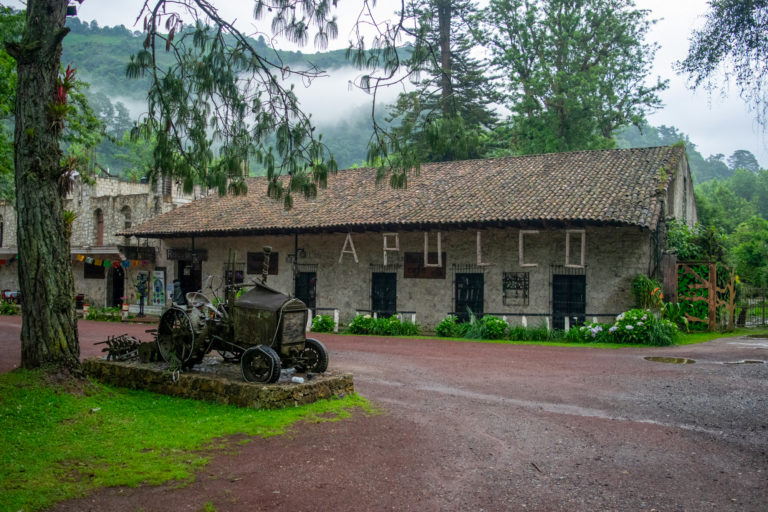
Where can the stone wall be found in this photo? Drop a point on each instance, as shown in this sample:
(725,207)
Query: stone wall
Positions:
(214,388)
(121,204)
(612,257)
(8,219)
(9,278)
(680,201)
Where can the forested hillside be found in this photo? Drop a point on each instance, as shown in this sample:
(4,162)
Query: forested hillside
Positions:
(100,55)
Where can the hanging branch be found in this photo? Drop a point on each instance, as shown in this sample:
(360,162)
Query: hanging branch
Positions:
(220,103)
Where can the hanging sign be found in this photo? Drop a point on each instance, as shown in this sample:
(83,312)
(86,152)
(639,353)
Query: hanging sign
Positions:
(187,254)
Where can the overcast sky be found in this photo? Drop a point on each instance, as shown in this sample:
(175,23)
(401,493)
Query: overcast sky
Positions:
(715,124)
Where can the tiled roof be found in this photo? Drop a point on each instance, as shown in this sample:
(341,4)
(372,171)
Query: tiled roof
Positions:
(620,187)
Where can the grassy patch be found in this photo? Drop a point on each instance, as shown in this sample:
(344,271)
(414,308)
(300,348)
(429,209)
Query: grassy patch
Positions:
(62,439)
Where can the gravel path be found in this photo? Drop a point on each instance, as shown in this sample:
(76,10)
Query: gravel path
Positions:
(469,426)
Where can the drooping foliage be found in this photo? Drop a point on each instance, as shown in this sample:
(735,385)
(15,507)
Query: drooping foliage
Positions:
(11,26)
(732,46)
(573,71)
(215,106)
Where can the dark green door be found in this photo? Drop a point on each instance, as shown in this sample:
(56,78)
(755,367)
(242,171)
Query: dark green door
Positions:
(306,288)
(569,297)
(384,293)
(469,295)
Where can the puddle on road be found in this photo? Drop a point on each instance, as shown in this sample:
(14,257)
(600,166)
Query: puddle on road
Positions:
(673,360)
(746,361)
(758,336)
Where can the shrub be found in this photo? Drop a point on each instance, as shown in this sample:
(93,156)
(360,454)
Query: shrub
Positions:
(492,328)
(104,314)
(540,333)
(675,313)
(392,326)
(472,330)
(517,333)
(8,308)
(386,326)
(362,324)
(408,328)
(448,327)
(590,333)
(641,326)
(635,326)
(323,323)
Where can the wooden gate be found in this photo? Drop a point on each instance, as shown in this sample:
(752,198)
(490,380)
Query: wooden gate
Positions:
(697,284)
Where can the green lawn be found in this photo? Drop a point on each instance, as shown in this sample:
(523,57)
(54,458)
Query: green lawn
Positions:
(701,337)
(61,440)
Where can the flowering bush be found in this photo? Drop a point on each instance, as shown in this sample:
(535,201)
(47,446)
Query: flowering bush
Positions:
(591,333)
(323,323)
(656,300)
(637,326)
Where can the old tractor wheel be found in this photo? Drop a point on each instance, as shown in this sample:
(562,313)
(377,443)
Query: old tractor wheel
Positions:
(260,364)
(314,358)
(175,336)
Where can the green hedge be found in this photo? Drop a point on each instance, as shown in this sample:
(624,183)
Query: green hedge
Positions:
(366,324)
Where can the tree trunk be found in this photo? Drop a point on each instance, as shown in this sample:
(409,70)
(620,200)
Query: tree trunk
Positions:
(49,326)
(446,85)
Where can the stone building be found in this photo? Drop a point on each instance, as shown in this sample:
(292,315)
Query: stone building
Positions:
(552,239)
(100,258)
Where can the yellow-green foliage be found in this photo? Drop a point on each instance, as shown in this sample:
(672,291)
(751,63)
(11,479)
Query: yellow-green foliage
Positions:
(62,440)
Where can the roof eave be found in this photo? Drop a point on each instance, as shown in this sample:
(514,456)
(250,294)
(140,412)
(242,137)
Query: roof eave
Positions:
(403,226)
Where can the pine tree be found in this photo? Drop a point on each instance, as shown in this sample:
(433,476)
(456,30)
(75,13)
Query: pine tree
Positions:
(444,117)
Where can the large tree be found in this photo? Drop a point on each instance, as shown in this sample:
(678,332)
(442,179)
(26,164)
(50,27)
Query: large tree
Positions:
(573,70)
(49,326)
(732,45)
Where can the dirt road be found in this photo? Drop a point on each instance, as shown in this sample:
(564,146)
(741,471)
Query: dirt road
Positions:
(470,426)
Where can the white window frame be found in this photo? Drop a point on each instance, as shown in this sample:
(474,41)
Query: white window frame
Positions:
(568,233)
(439,263)
(521,247)
(387,248)
(480,252)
